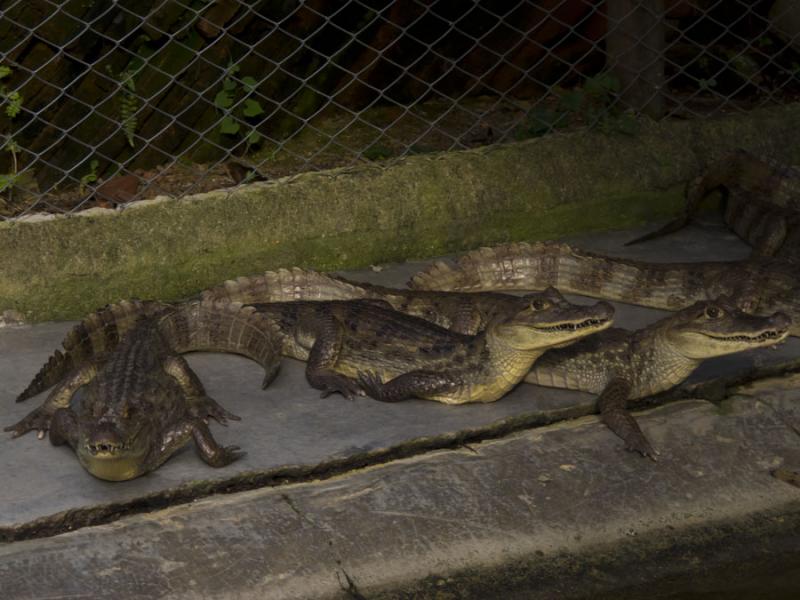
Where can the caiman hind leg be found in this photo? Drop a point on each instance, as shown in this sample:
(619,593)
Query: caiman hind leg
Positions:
(41,417)
(415,384)
(207,447)
(321,367)
(612,402)
(200,404)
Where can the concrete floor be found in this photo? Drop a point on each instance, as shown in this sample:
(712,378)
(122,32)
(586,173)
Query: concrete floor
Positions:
(558,489)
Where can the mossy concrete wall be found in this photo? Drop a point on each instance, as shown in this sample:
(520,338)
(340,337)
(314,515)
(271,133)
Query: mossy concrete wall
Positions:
(418,207)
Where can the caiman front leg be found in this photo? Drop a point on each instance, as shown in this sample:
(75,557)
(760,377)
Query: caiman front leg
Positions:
(200,404)
(415,384)
(207,447)
(612,402)
(322,359)
(64,428)
(41,417)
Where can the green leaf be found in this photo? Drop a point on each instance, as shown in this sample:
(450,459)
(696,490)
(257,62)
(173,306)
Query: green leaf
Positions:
(14,105)
(250,83)
(541,120)
(627,124)
(223,99)
(90,177)
(746,67)
(252,108)
(602,84)
(7,181)
(137,64)
(253,137)
(707,83)
(571,101)
(229,84)
(377,152)
(4,71)
(229,126)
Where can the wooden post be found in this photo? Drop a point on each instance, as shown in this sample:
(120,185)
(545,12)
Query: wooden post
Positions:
(635,47)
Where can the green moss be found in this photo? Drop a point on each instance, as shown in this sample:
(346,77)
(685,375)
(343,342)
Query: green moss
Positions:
(421,206)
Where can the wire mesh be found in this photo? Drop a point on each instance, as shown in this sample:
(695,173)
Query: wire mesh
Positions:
(109,102)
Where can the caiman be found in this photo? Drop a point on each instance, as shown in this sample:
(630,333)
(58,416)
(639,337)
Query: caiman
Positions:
(761,203)
(99,333)
(364,346)
(357,346)
(458,312)
(622,365)
(470,312)
(761,286)
(142,402)
(617,364)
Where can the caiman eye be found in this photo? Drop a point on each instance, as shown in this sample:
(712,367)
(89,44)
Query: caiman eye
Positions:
(539,304)
(712,312)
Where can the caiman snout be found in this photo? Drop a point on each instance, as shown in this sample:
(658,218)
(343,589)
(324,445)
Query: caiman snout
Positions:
(598,314)
(604,315)
(106,442)
(781,321)
(605,310)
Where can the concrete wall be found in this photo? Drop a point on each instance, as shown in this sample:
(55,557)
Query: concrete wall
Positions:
(421,206)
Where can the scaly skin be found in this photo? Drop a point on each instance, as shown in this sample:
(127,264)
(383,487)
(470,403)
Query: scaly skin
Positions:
(620,365)
(470,312)
(100,332)
(381,343)
(462,313)
(762,286)
(616,364)
(96,335)
(761,203)
(142,401)
(363,346)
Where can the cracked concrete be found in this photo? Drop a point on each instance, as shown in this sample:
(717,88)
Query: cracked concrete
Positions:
(508,512)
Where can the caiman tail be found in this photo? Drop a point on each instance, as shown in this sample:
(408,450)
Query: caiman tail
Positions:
(101,331)
(759,193)
(96,335)
(193,326)
(523,266)
(206,326)
(285,285)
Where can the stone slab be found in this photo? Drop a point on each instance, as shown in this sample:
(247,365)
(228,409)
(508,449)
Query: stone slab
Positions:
(560,511)
(288,426)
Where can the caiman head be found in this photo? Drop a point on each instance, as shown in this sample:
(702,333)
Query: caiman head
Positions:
(548,320)
(115,441)
(718,327)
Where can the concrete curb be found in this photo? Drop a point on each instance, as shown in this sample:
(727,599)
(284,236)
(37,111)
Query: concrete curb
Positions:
(420,206)
(554,512)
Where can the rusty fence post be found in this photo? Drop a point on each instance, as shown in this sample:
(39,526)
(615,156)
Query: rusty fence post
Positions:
(635,48)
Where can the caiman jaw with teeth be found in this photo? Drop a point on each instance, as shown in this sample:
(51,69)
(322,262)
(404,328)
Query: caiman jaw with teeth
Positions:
(95,449)
(762,337)
(574,326)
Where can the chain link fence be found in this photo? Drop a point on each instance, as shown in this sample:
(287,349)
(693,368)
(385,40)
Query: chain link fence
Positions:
(108,102)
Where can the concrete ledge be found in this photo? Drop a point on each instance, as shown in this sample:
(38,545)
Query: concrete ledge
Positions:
(560,511)
(420,206)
